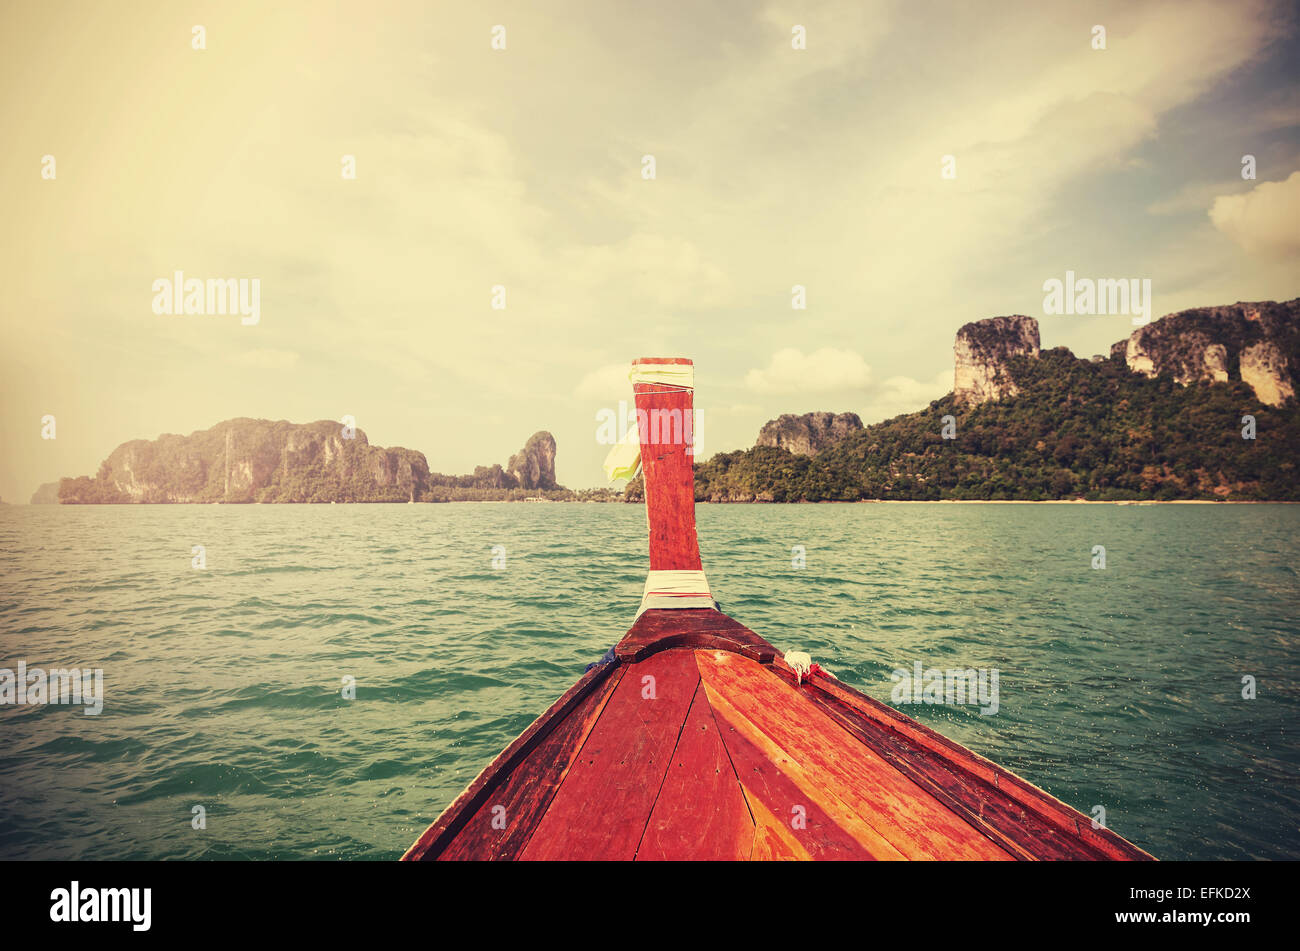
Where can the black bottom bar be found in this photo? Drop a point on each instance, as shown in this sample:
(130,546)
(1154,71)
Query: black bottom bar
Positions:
(444,901)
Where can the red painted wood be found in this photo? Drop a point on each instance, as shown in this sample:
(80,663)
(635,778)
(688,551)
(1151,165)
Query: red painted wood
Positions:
(774,787)
(604,803)
(1072,822)
(1020,833)
(669,472)
(624,768)
(910,819)
(700,813)
(663,628)
(1029,818)
(453,818)
(518,803)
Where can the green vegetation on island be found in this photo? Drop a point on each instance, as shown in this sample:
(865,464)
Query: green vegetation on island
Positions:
(1077,429)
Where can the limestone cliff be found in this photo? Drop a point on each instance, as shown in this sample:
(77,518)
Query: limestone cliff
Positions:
(1268,372)
(533,467)
(255,460)
(1257,343)
(808,434)
(981,352)
(47,494)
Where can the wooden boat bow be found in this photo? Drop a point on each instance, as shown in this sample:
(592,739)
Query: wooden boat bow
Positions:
(697,740)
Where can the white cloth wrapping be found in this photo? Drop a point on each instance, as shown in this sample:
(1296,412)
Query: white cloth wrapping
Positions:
(676,589)
(670,374)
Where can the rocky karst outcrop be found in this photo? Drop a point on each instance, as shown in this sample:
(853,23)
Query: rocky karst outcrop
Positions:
(1257,343)
(808,434)
(255,460)
(47,494)
(533,467)
(1254,342)
(1268,372)
(982,352)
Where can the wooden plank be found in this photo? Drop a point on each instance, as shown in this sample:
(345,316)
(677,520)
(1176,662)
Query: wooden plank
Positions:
(1020,833)
(888,716)
(774,841)
(919,742)
(1112,845)
(443,829)
(700,814)
(505,822)
(602,806)
(911,819)
(662,628)
(776,786)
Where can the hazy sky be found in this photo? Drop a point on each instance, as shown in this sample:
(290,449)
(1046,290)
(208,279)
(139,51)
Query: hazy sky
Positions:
(523,167)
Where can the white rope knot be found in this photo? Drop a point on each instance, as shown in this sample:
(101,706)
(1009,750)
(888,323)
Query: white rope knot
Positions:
(800,663)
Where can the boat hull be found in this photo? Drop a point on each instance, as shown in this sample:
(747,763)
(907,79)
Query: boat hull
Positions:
(698,742)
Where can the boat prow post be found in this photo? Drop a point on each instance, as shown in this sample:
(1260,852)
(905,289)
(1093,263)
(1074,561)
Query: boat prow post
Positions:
(664,390)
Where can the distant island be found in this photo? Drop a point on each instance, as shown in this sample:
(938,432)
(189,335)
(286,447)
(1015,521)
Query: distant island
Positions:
(257,460)
(1162,416)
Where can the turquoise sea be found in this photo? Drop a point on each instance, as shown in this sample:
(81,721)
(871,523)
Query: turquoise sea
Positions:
(1119,687)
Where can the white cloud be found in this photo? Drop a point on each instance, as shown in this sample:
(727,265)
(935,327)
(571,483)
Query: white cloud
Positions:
(823,371)
(610,382)
(1195,197)
(1265,220)
(902,394)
